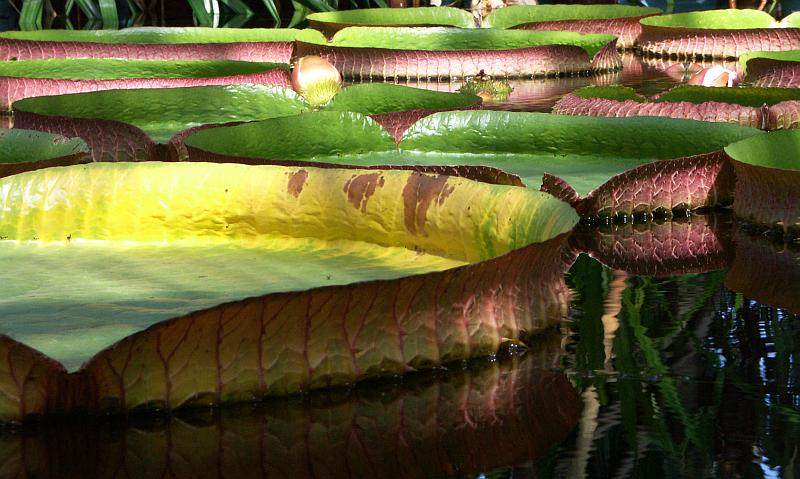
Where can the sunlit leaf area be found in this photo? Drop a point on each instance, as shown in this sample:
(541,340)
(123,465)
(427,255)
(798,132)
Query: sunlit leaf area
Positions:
(390,239)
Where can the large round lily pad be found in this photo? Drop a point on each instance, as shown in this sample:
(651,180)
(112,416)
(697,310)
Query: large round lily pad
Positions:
(24,150)
(772,69)
(152,43)
(767,174)
(393,53)
(29,78)
(133,124)
(766,108)
(608,161)
(718,33)
(621,21)
(137,243)
(331,22)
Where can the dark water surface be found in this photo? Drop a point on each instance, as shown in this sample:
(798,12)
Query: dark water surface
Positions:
(679,359)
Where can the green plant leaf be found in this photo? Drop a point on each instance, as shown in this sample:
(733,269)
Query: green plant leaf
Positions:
(162,113)
(149,241)
(424,16)
(21,150)
(520,14)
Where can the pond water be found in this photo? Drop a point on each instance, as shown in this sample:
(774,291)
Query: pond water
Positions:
(679,358)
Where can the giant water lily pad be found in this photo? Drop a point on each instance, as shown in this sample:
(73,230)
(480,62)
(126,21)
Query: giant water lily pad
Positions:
(589,154)
(767,175)
(134,124)
(381,52)
(24,150)
(29,78)
(331,22)
(152,43)
(772,69)
(766,108)
(718,33)
(137,243)
(621,21)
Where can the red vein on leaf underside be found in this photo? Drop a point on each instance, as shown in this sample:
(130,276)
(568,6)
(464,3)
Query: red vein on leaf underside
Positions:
(260,345)
(11,370)
(350,349)
(309,321)
(165,361)
(364,318)
(400,332)
(407,313)
(121,375)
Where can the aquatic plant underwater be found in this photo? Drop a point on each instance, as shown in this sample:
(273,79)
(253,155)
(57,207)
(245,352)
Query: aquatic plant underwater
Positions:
(335,251)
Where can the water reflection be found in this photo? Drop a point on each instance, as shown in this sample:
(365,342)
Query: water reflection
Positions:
(701,380)
(447,423)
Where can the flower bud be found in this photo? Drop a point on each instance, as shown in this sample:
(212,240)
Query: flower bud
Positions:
(316,79)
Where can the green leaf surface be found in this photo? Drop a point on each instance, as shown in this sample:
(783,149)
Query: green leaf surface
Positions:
(377,98)
(778,149)
(152,35)
(106,249)
(18,146)
(714,19)
(439,16)
(584,151)
(454,39)
(111,69)
(161,113)
(520,14)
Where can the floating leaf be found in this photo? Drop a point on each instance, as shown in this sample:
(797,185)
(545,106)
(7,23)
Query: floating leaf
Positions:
(381,52)
(150,241)
(23,150)
(767,175)
(766,108)
(30,78)
(621,21)
(772,69)
(717,33)
(331,22)
(152,43)
(593,155)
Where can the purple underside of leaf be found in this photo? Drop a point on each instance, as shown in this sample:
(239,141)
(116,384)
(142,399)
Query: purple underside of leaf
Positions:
(108,140)
(526,406)
(484,174)
(291,342)
(8,169)
(18,88)
(659,249)
(267,52)
(766,272)
(690,42)
(767,196)
(572,104)
(660,186)
(768,73)
(627,30)
(364,63)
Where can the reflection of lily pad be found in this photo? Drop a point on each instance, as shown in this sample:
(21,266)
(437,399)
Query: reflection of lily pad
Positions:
(133,124)
(354,435)
(152,43)
(380,52)
(767,175)
(331,22)
(585,152)
(149,241)
(29,78)
(621,21)
(766,108)
(23,150)
(718,33)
